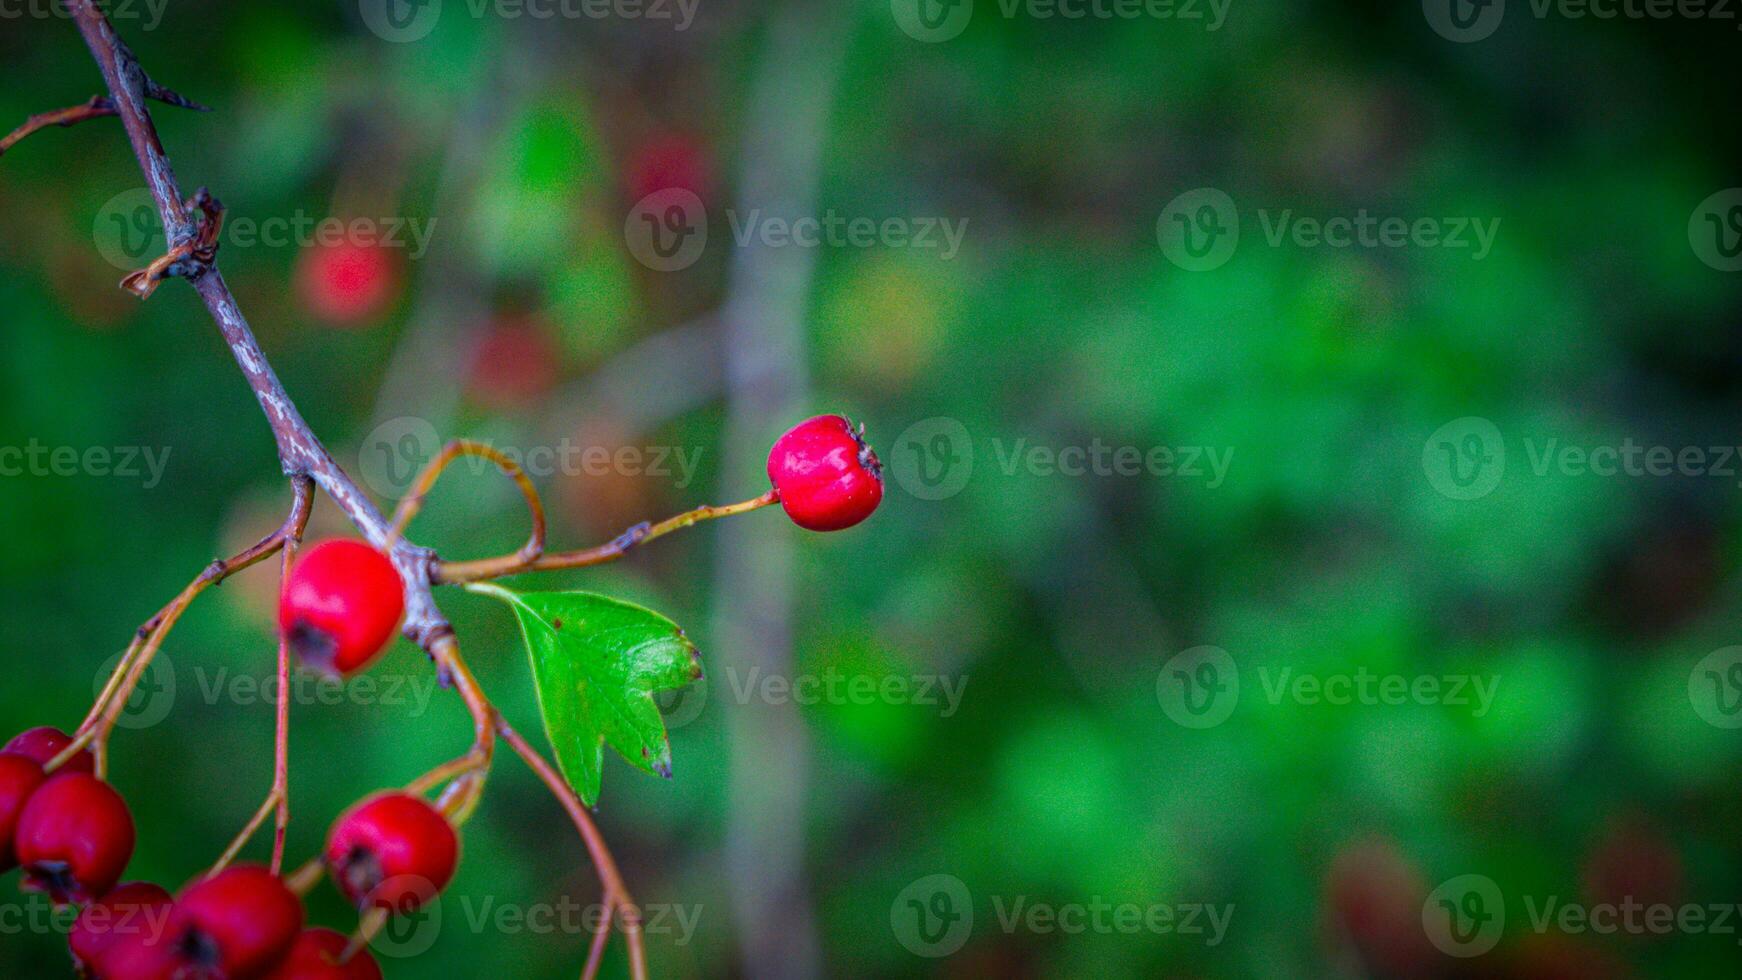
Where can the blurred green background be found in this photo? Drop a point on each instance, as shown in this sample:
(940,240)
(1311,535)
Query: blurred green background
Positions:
(1396,502)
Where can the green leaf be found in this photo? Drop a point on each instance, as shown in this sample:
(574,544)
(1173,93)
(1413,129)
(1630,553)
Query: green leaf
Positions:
(597,662)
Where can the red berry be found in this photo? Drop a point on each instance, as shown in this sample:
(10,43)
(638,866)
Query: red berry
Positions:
(238,923)
(671,161)
(74,838)
(513,364)
(347,284)
(341,605)
(392,851)
(141,956)
(827,477)
(19,778)
(137,908)
(316,957)
(43,744)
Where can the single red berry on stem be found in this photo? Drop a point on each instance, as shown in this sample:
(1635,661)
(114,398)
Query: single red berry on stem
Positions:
(345,283)
(44,743)
(19,779)
(393,851)
(827,476)
(341,605)
(316,957)
(74,838)
(136,909)
(238,923)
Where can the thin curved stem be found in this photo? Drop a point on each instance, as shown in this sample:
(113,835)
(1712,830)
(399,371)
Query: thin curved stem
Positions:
(462,572)
(616,893)
(413,502)
(150,636)
(277,800)
(596,953)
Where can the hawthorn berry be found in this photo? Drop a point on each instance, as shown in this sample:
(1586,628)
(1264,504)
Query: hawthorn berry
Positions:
(341,604)
(347,284)
(316,957)
(238,923)
(514,363)
(666,162)
(44,743)
(140,956)
(827,476)
(74,838)
(19,778)
(137,908)
(392,851)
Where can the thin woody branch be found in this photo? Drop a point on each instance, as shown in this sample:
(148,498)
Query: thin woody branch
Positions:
(98,107)
(300,452)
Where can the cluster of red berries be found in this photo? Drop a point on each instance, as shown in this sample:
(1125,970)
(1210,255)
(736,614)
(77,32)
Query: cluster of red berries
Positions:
(72,833)
(73,836)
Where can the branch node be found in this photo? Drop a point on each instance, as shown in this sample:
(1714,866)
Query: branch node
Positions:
(190,259)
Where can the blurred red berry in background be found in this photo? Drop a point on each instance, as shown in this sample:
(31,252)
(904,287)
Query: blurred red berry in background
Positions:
(667,161)
(347,284)
(514,363)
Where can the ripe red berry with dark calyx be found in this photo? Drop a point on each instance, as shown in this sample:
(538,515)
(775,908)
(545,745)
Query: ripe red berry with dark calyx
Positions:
(74,838)
(44,743)
(827,476)
(136,909)
(238,923)
(341,605)
(19,778)
(393,851)
(316,957)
